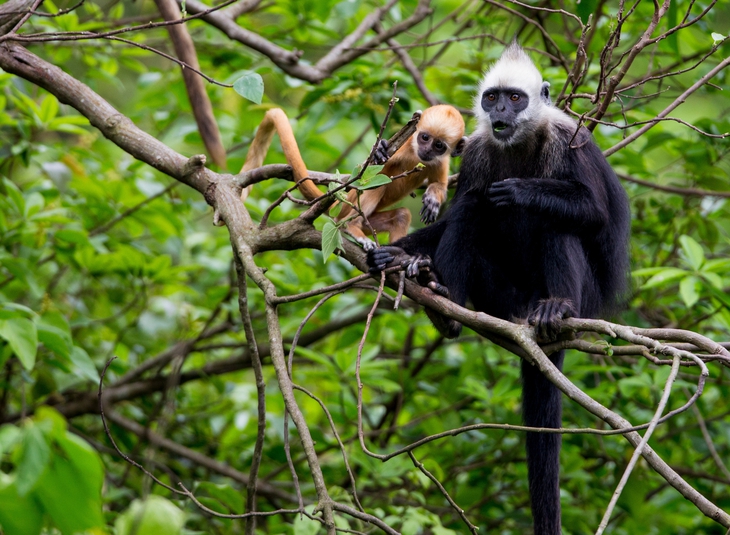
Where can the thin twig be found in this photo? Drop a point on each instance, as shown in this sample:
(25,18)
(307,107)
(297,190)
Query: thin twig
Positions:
(360,431)
(333,427)
(253,350)
(708,440)
(429,475)
(645,439)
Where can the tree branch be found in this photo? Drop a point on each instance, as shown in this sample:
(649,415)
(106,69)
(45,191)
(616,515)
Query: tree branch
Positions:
(199,101)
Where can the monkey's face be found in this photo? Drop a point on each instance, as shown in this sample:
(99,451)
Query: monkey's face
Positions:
(503,106)
(429,147)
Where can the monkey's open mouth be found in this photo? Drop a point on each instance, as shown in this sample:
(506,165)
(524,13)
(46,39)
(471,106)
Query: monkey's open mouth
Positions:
(499,126)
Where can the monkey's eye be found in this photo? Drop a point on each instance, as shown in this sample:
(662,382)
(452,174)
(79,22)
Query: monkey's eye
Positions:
(438,144)
(424,137)
(491,97)
(514,97)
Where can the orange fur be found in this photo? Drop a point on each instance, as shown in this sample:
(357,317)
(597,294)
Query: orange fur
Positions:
(442,122)
(276,120)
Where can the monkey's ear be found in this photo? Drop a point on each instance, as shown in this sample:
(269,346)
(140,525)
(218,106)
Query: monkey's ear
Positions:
(459,147)
(545,92)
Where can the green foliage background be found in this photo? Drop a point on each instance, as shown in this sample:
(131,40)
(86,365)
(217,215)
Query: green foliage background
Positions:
(80,284)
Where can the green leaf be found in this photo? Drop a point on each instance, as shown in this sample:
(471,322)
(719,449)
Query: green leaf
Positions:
(689,290)
(315,356)
(22,336)
(19,515)
(84,365)
(692,251)
(340,195)
(15,195)
(717,265)
(335,210)
(379,180)
(49,108)
(713,278)
(55,339)
(585,9)
(331,239)
(370,173)
(226,495)
(717,38)
(70,490)
(10,310)
(72,236)
(250,86)
(647,272)
(665,276)
(34,458)
(153,516)
(368,177)
(9,436)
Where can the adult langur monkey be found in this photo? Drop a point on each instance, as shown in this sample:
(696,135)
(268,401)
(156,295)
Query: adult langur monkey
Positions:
(538,230)
(438,136)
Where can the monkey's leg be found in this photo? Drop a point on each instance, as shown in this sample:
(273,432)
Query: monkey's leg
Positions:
(368,204)
(395,222)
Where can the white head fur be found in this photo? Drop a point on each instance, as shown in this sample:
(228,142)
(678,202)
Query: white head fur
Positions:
(513,69)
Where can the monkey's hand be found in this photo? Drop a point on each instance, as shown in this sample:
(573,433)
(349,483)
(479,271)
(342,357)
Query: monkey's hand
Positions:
(390,255)
(381,153)
(430,210)
(548,316)
(506,192)
(420,266)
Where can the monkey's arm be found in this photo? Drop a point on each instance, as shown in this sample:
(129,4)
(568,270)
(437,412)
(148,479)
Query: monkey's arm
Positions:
(421,267)
(436,192)
(566,201)
(579,198)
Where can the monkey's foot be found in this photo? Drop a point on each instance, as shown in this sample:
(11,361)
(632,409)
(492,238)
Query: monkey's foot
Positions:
(548,316)
(367,244)
(430,209)
(436,287)
(380,258)
(414,264)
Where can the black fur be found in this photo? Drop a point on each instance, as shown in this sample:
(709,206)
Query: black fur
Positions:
(537,230)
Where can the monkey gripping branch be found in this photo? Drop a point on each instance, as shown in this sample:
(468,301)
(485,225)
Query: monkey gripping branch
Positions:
(222,192)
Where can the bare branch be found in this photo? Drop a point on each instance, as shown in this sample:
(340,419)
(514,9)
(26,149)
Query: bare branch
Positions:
(688,192)
(666,111)
(644,441)
(115,126)
(644,41)
(199,101)
(459,510)
(12,12)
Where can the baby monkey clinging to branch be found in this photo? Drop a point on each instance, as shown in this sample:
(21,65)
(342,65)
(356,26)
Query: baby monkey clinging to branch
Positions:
(438,136)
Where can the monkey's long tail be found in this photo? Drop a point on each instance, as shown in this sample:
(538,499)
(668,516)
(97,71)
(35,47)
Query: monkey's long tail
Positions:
(276,120)
(542,407)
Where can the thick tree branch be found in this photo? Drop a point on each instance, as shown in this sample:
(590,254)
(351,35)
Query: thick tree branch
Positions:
(115,126)
(199,101)
(337,57)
